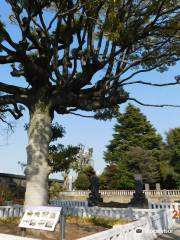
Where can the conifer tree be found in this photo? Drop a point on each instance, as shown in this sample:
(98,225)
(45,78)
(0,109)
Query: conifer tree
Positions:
(136,144)
(170,169)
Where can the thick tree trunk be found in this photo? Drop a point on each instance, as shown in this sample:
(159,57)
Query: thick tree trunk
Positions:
(37,170)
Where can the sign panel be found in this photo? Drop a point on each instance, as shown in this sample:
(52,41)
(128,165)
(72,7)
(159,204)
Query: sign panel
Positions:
(40,217)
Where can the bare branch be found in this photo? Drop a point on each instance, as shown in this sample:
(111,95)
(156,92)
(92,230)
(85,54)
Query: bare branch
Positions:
(16,113)
(10,126)
(7,50)
(152,84)
(9,40)
(8,59)
(81,115)
(11,89)
(153,105)
(13,99)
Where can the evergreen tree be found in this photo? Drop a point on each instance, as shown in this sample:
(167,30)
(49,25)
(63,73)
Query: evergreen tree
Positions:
(136,144)
(83,180)
(171,170)
(116,176)
(173,146)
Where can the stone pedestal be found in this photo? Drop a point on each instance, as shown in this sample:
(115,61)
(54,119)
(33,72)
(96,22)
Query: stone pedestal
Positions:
(94,200)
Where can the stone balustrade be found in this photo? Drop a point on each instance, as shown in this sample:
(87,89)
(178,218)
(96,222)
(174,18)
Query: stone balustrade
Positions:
(148,227)
(126,192)
(164,205)
(71,209)
(145,223)
(11,211)
(68,203)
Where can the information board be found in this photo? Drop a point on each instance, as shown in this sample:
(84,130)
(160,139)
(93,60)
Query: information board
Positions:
(40,217)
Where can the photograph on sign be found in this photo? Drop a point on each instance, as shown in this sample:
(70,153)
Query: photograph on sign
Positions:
(42,218)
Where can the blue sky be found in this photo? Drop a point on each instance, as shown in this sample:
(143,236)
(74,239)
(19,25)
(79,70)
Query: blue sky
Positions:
(92,133)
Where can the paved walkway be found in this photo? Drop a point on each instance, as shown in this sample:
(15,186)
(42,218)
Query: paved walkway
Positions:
(175,235)
(12,237)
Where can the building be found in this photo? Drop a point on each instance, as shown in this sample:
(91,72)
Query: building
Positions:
(16,184)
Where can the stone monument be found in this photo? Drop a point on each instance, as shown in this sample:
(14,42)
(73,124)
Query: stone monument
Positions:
(94,196)
(158,186)
(139,200)
(147,186)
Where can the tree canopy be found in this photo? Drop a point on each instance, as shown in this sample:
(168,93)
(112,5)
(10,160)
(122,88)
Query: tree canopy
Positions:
(132,130)
(62,53)
(170,170)
(83,180)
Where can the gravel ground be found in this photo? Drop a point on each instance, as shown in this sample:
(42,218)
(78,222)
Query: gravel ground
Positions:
(73,231)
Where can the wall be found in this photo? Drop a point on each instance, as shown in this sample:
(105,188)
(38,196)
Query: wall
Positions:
(124,196)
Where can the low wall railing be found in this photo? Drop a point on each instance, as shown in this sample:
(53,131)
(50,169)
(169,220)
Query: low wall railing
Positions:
(175,205)
(68,203)
(85,211)
(145,223)
(125,192)
(11,211)
(148,227)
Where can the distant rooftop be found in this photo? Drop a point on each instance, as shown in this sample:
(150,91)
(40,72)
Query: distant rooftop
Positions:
(18,176)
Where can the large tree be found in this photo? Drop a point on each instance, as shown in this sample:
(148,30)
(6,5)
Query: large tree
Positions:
(58,53)
(170,170)
(135,144)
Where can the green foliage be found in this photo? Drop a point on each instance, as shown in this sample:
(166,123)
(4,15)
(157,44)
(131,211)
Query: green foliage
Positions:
(127,22)
(61,157)
(57,131)
(132,129)
(171,170)
(173,145)
(116,176)
(135,145)
(10,220)
(139,159)
(83,180)
(105,222)
(54,189)
(6,194)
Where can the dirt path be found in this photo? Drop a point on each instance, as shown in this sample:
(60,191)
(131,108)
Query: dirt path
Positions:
(73,231)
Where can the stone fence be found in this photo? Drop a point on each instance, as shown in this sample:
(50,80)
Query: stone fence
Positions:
(66,203)
(11,211)
(125,192)
(145,223)
(123,196)
(114,213)
(164,205)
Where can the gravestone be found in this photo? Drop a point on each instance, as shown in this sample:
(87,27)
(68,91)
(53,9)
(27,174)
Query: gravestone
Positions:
(158,186)
(139,200)
(94,196)
(147,186)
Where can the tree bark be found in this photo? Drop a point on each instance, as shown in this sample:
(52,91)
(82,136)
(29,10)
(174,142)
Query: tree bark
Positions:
(37,170)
